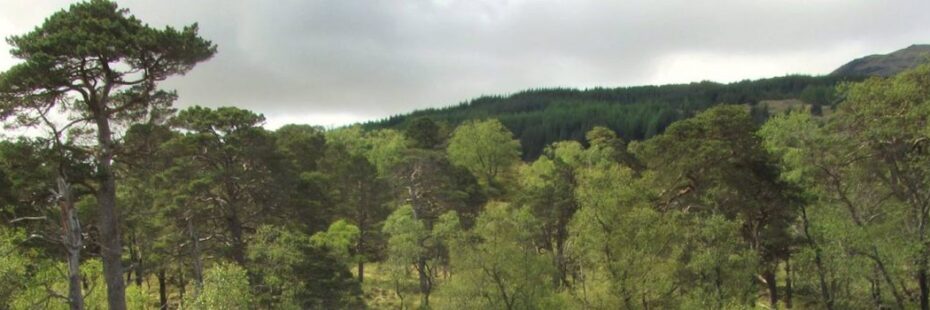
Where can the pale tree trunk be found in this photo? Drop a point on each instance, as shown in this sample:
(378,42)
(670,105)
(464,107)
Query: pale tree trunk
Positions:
(71,237)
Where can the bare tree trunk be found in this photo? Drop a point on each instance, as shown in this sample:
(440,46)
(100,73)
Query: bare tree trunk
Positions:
(71,236)
(111,247)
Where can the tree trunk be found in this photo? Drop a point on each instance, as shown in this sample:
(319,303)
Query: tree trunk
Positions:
(425,282)
(234,224)
(876,289)
(818,261)
(922,282)
(139,271)
(132,259)
(195,257)
(718,286)
(182,287)
(75,297)
(561,278)
(770,282)
(111,247)
(162,290)
(884,273)
(71,236)
(788,285)
(137,260)
(360,250)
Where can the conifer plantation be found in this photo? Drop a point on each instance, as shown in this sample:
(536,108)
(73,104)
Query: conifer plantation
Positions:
(691,196)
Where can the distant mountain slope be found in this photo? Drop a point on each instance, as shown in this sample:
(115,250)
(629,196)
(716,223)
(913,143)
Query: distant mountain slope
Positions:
(886,65)
(540,117)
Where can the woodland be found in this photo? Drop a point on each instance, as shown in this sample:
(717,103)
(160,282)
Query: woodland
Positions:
(697,196)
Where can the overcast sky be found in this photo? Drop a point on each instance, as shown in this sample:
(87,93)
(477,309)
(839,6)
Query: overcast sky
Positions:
(334,62)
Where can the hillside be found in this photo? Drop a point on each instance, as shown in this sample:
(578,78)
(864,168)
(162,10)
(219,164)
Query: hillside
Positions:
(540,117)
(887,64)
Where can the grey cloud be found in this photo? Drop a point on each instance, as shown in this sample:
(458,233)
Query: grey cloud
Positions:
(374,58)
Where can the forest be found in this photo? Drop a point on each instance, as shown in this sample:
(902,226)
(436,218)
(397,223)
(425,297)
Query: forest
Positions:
(537,118)
(118,200)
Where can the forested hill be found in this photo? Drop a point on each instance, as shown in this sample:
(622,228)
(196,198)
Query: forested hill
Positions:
(542,116)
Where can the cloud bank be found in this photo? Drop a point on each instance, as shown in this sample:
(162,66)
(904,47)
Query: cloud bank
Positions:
(333,62)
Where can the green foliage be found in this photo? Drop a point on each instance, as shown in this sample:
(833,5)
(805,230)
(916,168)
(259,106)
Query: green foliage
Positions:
(720,268)
(236,164)
(47,287)
(225,286)
(864,169)
(497,265)
(303,145)
(539,117)
(423,132)
(340,238)
(383,148)
(818,95)
(297,272)
(387,149)
(420,244)
(14,262)
(486,148)
(627,251)
(715,163)
(403,249)
(406,235)
(710,212)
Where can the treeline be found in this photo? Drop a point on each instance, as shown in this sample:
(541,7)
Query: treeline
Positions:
(717,212)
(540,117)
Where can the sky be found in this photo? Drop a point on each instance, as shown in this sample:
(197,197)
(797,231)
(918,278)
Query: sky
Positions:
(336,62)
